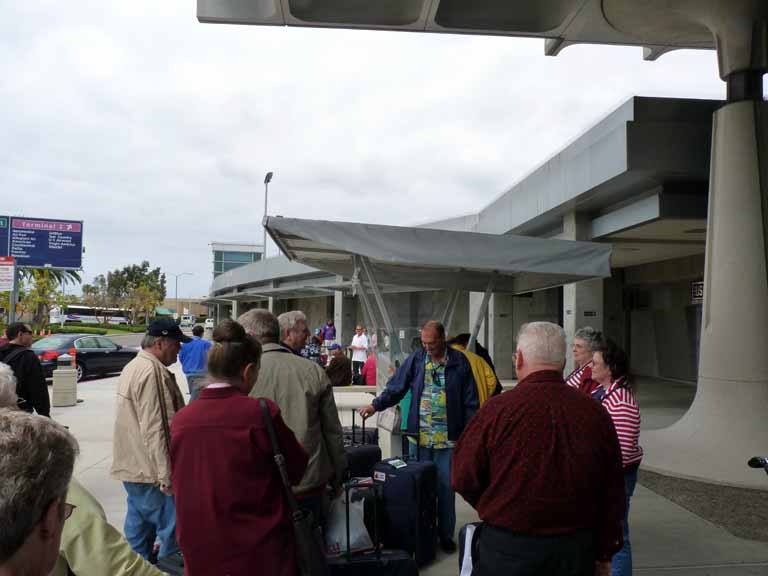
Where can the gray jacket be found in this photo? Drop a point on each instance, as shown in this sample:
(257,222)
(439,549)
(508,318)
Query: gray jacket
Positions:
(305,396)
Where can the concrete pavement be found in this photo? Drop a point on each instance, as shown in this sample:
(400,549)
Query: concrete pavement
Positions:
(667,539)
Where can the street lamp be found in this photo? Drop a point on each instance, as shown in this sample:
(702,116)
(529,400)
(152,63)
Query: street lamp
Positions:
(267,180)
(176,290)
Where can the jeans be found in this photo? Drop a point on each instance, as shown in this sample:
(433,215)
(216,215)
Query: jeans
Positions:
(446,497)
(151,514)
(621,564)
(195,383)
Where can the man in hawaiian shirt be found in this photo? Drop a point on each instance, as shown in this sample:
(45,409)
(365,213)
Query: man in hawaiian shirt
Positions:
(444,400)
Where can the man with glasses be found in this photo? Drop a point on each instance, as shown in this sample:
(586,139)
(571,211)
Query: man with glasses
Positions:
(30,379)
(37,457)
(147,399)
(444,399)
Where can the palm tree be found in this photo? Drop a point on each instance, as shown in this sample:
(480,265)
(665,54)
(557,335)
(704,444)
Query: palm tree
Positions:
(60,277)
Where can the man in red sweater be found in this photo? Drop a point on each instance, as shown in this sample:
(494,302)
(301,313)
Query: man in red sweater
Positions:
(542,466)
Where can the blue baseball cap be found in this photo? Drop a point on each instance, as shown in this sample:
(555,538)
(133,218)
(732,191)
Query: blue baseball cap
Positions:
(167,328)
(334,346)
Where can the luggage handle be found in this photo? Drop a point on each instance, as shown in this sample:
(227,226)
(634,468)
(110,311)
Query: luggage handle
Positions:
(362,432)
(406,449)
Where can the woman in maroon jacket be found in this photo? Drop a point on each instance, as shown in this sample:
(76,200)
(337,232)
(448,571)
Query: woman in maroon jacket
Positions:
(232,516)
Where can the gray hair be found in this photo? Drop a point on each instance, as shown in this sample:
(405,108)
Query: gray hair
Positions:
(542,343)
(8,398)
(261,324)
(149,341)
(288,320)
(591,337)
(37,457)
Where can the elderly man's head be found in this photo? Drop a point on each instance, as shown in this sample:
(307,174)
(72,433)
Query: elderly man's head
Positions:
(261,324)
(8,398)
(433,339)
(540,346)
(293,329)
(37,457)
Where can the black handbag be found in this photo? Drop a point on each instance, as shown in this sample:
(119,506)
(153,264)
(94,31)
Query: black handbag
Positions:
(310,548)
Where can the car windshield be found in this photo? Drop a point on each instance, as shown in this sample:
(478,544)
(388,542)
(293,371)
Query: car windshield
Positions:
(51,342)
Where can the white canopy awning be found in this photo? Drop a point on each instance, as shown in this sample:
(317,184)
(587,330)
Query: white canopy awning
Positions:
(439,259)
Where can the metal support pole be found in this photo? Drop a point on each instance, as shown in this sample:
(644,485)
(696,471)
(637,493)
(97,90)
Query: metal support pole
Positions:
(481,313)
(266,194)
(364,297)
(377,295)
(14,298)
(450,309)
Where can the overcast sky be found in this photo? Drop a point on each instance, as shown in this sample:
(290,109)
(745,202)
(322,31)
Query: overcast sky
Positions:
(157,130)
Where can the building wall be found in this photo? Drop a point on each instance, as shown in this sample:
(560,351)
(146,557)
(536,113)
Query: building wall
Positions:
(664,323)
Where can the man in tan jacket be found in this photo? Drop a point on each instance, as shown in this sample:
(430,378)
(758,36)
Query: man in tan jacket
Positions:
(305,396)
(147,399)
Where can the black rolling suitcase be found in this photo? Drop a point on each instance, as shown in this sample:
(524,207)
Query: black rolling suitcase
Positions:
(361,457)
(410,505)
(381,562)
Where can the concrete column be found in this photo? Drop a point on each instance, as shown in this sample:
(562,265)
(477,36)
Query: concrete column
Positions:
(235,312)
(475,301)
(726,423)
(271,304)
(501,334)
(344,316)
(582,301)
(218,313)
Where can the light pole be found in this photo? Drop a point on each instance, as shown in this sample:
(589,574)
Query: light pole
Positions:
(267,180)
(176,289)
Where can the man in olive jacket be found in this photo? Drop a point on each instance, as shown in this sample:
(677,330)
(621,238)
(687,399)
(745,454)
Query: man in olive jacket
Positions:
(147,399)
(305,396)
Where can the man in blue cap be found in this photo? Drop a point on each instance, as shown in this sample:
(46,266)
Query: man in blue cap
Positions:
(147,399)
(339,371)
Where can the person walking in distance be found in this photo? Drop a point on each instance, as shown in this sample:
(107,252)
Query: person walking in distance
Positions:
(359,347)
(194,360)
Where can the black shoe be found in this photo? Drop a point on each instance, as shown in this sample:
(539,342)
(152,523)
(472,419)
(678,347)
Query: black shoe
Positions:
(448,546)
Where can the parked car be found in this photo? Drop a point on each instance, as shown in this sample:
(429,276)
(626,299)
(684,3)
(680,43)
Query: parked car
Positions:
(93,354)
(209,323)
(187,321)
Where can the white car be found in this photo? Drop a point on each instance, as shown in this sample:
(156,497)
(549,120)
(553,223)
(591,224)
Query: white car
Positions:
(209,323)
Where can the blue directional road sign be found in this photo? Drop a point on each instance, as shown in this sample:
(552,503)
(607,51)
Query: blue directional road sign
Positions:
(4,235)
(39,243)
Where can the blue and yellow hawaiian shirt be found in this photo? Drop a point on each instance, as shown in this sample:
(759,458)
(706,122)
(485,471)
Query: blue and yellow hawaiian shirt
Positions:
(433,417)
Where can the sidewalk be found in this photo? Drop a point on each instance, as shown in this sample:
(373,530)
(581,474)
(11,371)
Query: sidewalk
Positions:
(666,538)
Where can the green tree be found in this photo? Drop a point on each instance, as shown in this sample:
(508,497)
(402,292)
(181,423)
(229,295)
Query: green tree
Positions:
(125,281)
(96,295)
(137,288)
(40,292)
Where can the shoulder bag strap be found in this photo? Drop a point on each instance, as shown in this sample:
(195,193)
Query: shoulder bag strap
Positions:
(279,458)
(163,409)
(13,355)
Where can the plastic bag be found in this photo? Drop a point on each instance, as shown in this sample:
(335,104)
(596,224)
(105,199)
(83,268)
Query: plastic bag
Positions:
(336,528)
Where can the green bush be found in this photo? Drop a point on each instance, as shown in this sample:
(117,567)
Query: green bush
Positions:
(77,330)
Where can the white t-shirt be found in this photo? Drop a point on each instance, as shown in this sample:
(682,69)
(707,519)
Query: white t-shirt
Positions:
(359,355)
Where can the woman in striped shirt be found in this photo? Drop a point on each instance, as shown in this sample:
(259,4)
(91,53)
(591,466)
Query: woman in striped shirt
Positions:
(610,369)
(585,342)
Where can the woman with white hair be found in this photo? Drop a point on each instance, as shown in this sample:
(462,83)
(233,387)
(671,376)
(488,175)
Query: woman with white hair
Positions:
(585,342)
(8,398)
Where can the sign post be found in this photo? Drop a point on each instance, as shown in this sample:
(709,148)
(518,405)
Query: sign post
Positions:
(9,283)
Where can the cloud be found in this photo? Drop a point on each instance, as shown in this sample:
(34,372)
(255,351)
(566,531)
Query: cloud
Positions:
(157,130)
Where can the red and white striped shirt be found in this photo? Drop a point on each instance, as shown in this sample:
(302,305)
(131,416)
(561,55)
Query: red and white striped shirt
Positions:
(625,413)
(581,379)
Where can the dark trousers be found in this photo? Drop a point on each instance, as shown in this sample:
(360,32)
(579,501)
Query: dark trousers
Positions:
(356,367)
(502,552)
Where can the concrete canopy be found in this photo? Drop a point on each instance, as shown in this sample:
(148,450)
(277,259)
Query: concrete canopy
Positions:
(439,259)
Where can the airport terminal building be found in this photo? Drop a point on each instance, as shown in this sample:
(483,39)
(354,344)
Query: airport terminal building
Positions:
(638,180)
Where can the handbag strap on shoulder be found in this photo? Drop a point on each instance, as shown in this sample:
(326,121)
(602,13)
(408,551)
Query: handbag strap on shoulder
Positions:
(279,458)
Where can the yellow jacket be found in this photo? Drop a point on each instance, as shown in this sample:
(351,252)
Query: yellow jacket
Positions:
(484,377)
(91,545)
